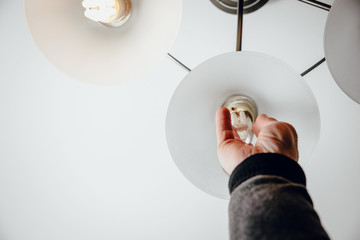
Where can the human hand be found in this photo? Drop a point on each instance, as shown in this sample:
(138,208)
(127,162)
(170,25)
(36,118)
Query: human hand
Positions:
(272,137)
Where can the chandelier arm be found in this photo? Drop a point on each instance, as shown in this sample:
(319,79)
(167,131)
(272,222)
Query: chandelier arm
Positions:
(240,13)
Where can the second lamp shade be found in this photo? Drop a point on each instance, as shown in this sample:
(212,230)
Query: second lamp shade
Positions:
(342,46)
(93,53)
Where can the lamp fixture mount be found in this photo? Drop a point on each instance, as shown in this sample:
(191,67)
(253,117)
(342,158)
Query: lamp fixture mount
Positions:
(230,6)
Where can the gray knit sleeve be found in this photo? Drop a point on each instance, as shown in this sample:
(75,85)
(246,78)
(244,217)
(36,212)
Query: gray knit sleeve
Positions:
(270,206)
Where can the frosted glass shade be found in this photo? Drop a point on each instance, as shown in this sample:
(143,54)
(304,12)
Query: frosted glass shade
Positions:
(277,91)
(342,46)
(93,53)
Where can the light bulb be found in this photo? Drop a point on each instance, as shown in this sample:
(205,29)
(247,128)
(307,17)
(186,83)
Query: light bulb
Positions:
(101,10)
(243,112)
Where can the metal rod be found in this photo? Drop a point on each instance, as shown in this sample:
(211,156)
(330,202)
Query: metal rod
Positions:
(178,62)
(240,13)
(318,4)
(313,67)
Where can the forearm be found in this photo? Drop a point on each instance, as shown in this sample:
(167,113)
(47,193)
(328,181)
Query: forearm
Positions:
(269,200)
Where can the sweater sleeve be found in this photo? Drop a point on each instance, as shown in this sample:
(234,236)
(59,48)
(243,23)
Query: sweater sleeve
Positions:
(269,200)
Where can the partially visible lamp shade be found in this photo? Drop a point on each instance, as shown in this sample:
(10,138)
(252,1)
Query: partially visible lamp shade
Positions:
(93,53)
(342,46)
(276,89)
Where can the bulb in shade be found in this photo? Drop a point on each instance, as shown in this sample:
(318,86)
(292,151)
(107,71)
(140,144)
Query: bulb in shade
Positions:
(112,13)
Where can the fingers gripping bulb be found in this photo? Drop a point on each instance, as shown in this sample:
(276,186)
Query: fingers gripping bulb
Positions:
(243,112)
(241,122)
(101,10)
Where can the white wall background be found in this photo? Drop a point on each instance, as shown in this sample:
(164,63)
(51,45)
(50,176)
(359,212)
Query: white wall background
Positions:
(84,162)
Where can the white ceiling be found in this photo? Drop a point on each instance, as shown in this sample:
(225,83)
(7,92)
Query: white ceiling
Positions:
(85,162)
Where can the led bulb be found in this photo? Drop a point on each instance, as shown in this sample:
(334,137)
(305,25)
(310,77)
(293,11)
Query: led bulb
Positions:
(101,10)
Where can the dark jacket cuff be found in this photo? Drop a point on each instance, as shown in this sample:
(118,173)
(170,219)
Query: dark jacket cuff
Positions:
(267,164)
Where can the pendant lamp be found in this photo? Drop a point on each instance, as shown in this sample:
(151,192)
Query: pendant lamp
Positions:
(116,42)
(247,83)
(276,89)
(342,46)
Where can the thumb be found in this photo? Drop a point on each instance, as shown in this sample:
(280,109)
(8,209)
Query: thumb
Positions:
(224,129)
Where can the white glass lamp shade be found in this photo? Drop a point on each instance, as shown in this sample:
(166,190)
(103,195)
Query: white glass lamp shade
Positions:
(91,52)
(342,46)
(277,91)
